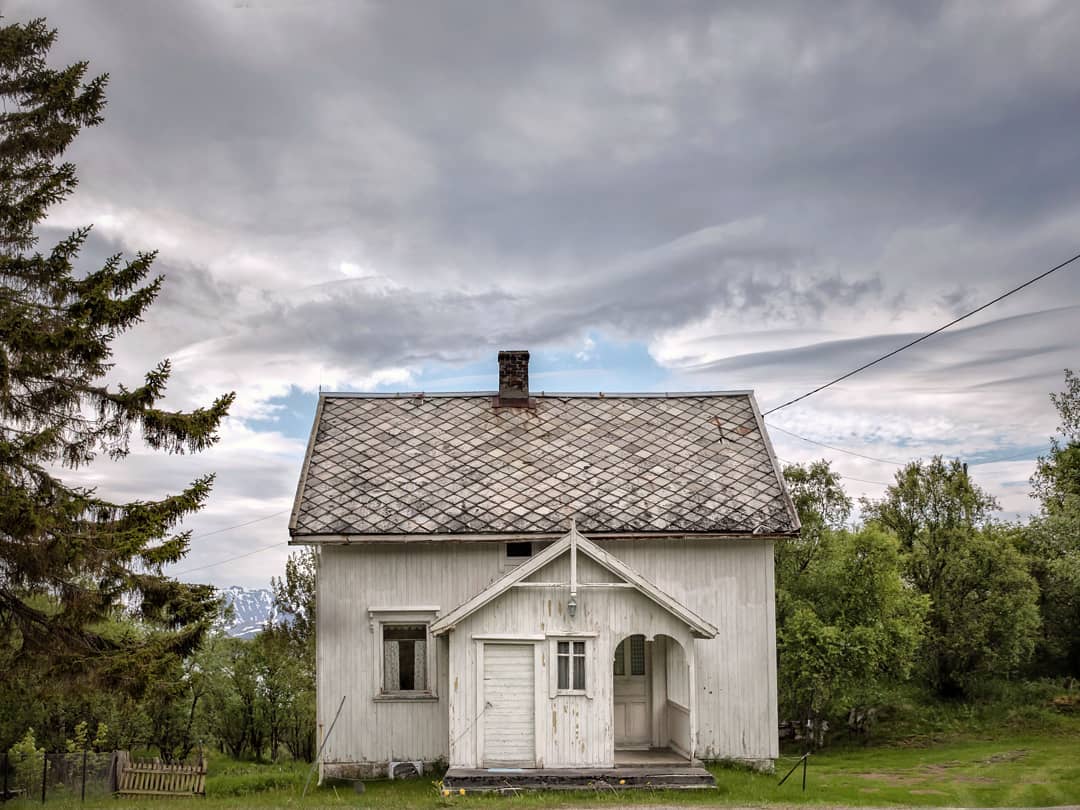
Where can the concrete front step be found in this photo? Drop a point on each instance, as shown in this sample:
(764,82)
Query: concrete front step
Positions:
(666,777)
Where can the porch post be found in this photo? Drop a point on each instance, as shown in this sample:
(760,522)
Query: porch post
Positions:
(691,656)
(658,690)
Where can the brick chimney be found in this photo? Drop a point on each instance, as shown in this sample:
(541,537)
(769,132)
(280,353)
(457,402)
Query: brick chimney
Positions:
(513,379)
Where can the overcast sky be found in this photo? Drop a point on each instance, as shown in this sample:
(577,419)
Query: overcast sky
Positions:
(648,196)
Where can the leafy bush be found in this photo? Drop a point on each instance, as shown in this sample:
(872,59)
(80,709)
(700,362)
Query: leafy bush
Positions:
(27,760)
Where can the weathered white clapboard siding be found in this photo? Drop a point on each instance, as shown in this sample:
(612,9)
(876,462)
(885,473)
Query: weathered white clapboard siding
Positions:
(727,582)
(351,581)
(588,571)
(731,584)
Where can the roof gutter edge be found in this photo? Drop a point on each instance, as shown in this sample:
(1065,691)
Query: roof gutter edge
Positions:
(337,538)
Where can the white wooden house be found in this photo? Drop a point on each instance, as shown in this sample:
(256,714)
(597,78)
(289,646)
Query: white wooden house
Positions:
(532,580)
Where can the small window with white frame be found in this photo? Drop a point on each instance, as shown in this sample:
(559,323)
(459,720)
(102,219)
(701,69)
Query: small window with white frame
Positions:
(404,653)
(570,666)
(404,658)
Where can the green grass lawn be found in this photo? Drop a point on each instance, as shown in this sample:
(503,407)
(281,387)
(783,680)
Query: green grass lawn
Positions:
(1027,768)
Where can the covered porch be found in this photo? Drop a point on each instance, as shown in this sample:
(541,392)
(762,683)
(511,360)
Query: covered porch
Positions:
(572,664)
(651,689)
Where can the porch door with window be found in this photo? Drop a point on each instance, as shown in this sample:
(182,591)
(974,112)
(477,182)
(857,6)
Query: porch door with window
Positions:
(632,714)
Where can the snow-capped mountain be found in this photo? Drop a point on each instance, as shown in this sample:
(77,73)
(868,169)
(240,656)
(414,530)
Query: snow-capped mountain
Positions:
(252,609)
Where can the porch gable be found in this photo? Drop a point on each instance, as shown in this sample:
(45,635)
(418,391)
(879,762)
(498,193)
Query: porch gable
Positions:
(572,543)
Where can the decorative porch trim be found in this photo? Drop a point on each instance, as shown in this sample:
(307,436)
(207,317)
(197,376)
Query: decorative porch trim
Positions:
(699,626)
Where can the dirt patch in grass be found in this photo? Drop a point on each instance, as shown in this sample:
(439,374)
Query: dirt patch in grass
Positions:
(940,772)
(891,778)
(940,768)
(1007,756)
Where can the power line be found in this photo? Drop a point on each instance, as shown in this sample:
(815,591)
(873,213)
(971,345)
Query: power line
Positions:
(864,481)
(841,475)
(1007,458)
(239,525)
(953,322)
(1021,454)
(238,556)
(226,560)
(838,449)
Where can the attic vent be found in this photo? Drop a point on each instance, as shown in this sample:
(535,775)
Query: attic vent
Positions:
(513,379)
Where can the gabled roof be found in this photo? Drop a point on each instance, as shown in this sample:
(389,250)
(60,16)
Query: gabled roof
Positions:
(637,464)
(699,626)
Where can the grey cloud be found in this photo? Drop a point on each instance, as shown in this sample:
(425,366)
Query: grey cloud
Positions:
(533,172)
(362,325)
(950,357)
(855,117)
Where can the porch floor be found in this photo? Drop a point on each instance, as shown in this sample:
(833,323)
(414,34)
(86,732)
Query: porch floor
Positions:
(649,757)
(653,769)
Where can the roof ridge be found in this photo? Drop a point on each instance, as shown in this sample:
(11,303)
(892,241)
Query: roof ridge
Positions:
(535,394)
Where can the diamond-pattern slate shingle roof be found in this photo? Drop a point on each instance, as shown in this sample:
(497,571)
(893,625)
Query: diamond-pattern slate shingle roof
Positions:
(455,464)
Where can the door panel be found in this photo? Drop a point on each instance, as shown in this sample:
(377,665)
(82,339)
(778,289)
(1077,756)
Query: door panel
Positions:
(632,716)
(509,715)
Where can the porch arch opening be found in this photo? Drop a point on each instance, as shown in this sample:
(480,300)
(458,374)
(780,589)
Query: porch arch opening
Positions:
(650,700)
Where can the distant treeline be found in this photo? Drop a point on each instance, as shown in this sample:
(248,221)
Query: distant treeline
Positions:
(928,588)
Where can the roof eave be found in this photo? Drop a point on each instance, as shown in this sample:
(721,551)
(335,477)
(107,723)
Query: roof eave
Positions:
(298,538)
(295,514)
(790,504)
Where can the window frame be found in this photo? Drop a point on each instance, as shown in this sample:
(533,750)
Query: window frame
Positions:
(382,617)
(508,561)
(624,655)
(588,660)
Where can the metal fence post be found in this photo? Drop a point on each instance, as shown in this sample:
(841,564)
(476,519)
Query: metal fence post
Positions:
(44,774)
(5,796)
(82,796)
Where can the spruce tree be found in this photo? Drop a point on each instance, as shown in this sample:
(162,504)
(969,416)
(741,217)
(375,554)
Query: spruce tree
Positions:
(69,558)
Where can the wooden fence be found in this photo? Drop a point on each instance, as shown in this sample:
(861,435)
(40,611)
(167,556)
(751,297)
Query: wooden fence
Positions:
(155,778)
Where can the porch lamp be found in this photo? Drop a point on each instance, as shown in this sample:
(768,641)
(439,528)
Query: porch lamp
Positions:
(571,606)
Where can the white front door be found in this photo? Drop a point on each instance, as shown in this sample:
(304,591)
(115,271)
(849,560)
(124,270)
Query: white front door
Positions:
(631,673)
(509,708)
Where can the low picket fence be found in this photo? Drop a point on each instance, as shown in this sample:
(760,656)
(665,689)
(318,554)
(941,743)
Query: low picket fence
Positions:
(143,777)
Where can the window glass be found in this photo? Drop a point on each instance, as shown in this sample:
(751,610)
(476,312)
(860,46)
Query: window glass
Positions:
(519,550)
(637,655)
(570,662)
(564,664)
(405,658)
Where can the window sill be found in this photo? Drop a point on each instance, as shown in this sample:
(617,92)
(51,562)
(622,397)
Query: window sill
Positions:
(572,693)
(406,697)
